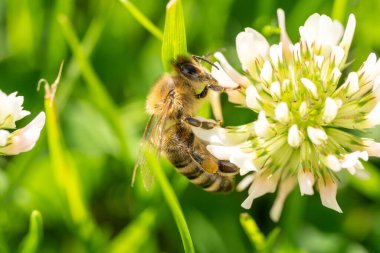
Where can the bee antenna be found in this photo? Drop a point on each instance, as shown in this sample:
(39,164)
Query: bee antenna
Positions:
(200,58)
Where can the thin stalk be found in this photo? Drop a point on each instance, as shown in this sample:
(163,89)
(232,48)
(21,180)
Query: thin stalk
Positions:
(142,19)
(339,10)
(98,93)
(172,202)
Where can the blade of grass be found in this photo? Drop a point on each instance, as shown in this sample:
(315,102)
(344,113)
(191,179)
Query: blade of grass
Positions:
(172,202)
(33,239)
(339,10)
(136,234)
(64,171)
(88,44)
(142,19)
(253,232)
(174,40)
(98,93)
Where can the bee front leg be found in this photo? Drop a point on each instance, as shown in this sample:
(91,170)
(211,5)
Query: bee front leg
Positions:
(199,123)
(214,87)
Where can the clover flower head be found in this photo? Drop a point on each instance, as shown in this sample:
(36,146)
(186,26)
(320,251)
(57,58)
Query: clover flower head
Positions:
(20,140)
(307,112)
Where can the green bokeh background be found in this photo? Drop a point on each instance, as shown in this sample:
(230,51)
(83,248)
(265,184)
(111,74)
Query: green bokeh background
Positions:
(127,60)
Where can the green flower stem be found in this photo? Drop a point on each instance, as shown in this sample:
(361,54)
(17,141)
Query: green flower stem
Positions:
(65,174)
(142,19)
(339,10)
(35,235)
(98,93)
(172,202)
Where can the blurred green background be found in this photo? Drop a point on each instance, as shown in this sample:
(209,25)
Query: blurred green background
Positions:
(101,127)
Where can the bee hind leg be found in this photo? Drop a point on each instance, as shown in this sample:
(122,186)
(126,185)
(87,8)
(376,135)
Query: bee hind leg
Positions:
(227,168)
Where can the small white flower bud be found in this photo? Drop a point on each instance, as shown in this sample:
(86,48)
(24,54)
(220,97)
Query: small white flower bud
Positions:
(352,84)
(330,110)
(319,60)
(335,75)
(252,98)
(266,72)
(310,86)
(275,89)
(262,126)
(275,53)
(317,135)
(296,51)
(337,55)
(294,136)
(303,110)
(4,134)
(282,113)
(348,34)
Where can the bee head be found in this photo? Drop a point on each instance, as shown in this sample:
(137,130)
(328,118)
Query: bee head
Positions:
(191,69)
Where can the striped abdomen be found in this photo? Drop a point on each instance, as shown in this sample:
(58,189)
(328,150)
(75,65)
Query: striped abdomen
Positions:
(192,159)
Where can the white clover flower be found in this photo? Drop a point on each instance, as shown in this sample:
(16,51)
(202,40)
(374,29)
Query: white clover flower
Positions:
(306,112)
(20,140)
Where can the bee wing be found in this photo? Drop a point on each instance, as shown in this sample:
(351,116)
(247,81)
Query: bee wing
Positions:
(153,136)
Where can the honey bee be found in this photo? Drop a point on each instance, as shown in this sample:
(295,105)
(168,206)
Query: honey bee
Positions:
(172,103)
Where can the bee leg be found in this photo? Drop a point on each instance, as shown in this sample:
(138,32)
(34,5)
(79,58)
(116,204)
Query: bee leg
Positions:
(216,88)
(198,123)
(228,168)
(200,155)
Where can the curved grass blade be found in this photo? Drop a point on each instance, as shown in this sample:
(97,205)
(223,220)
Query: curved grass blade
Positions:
(253,232)
(142,19)
(34,237)
(174,42)
(172,201)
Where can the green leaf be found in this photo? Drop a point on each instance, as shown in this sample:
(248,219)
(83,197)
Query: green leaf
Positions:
(34,237)
(142,19)
(174,43)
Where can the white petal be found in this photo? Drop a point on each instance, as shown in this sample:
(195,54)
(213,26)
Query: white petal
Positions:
(236,97)
(373,118)
(330,110)
(245,182)
(4,134)
(221,76)
(24,139)
(317,135)
(286,187)
(219,135)
(282,113)
(251,45)
(327,191)
(294,136)
(252,98)
(332,162)
(230,71)
(310,86)
(306,182)
(244,161)
(223,152)
(348,34)
(261,185)
(372,148)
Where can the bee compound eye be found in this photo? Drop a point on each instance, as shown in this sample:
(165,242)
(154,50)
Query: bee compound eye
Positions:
(189,70)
